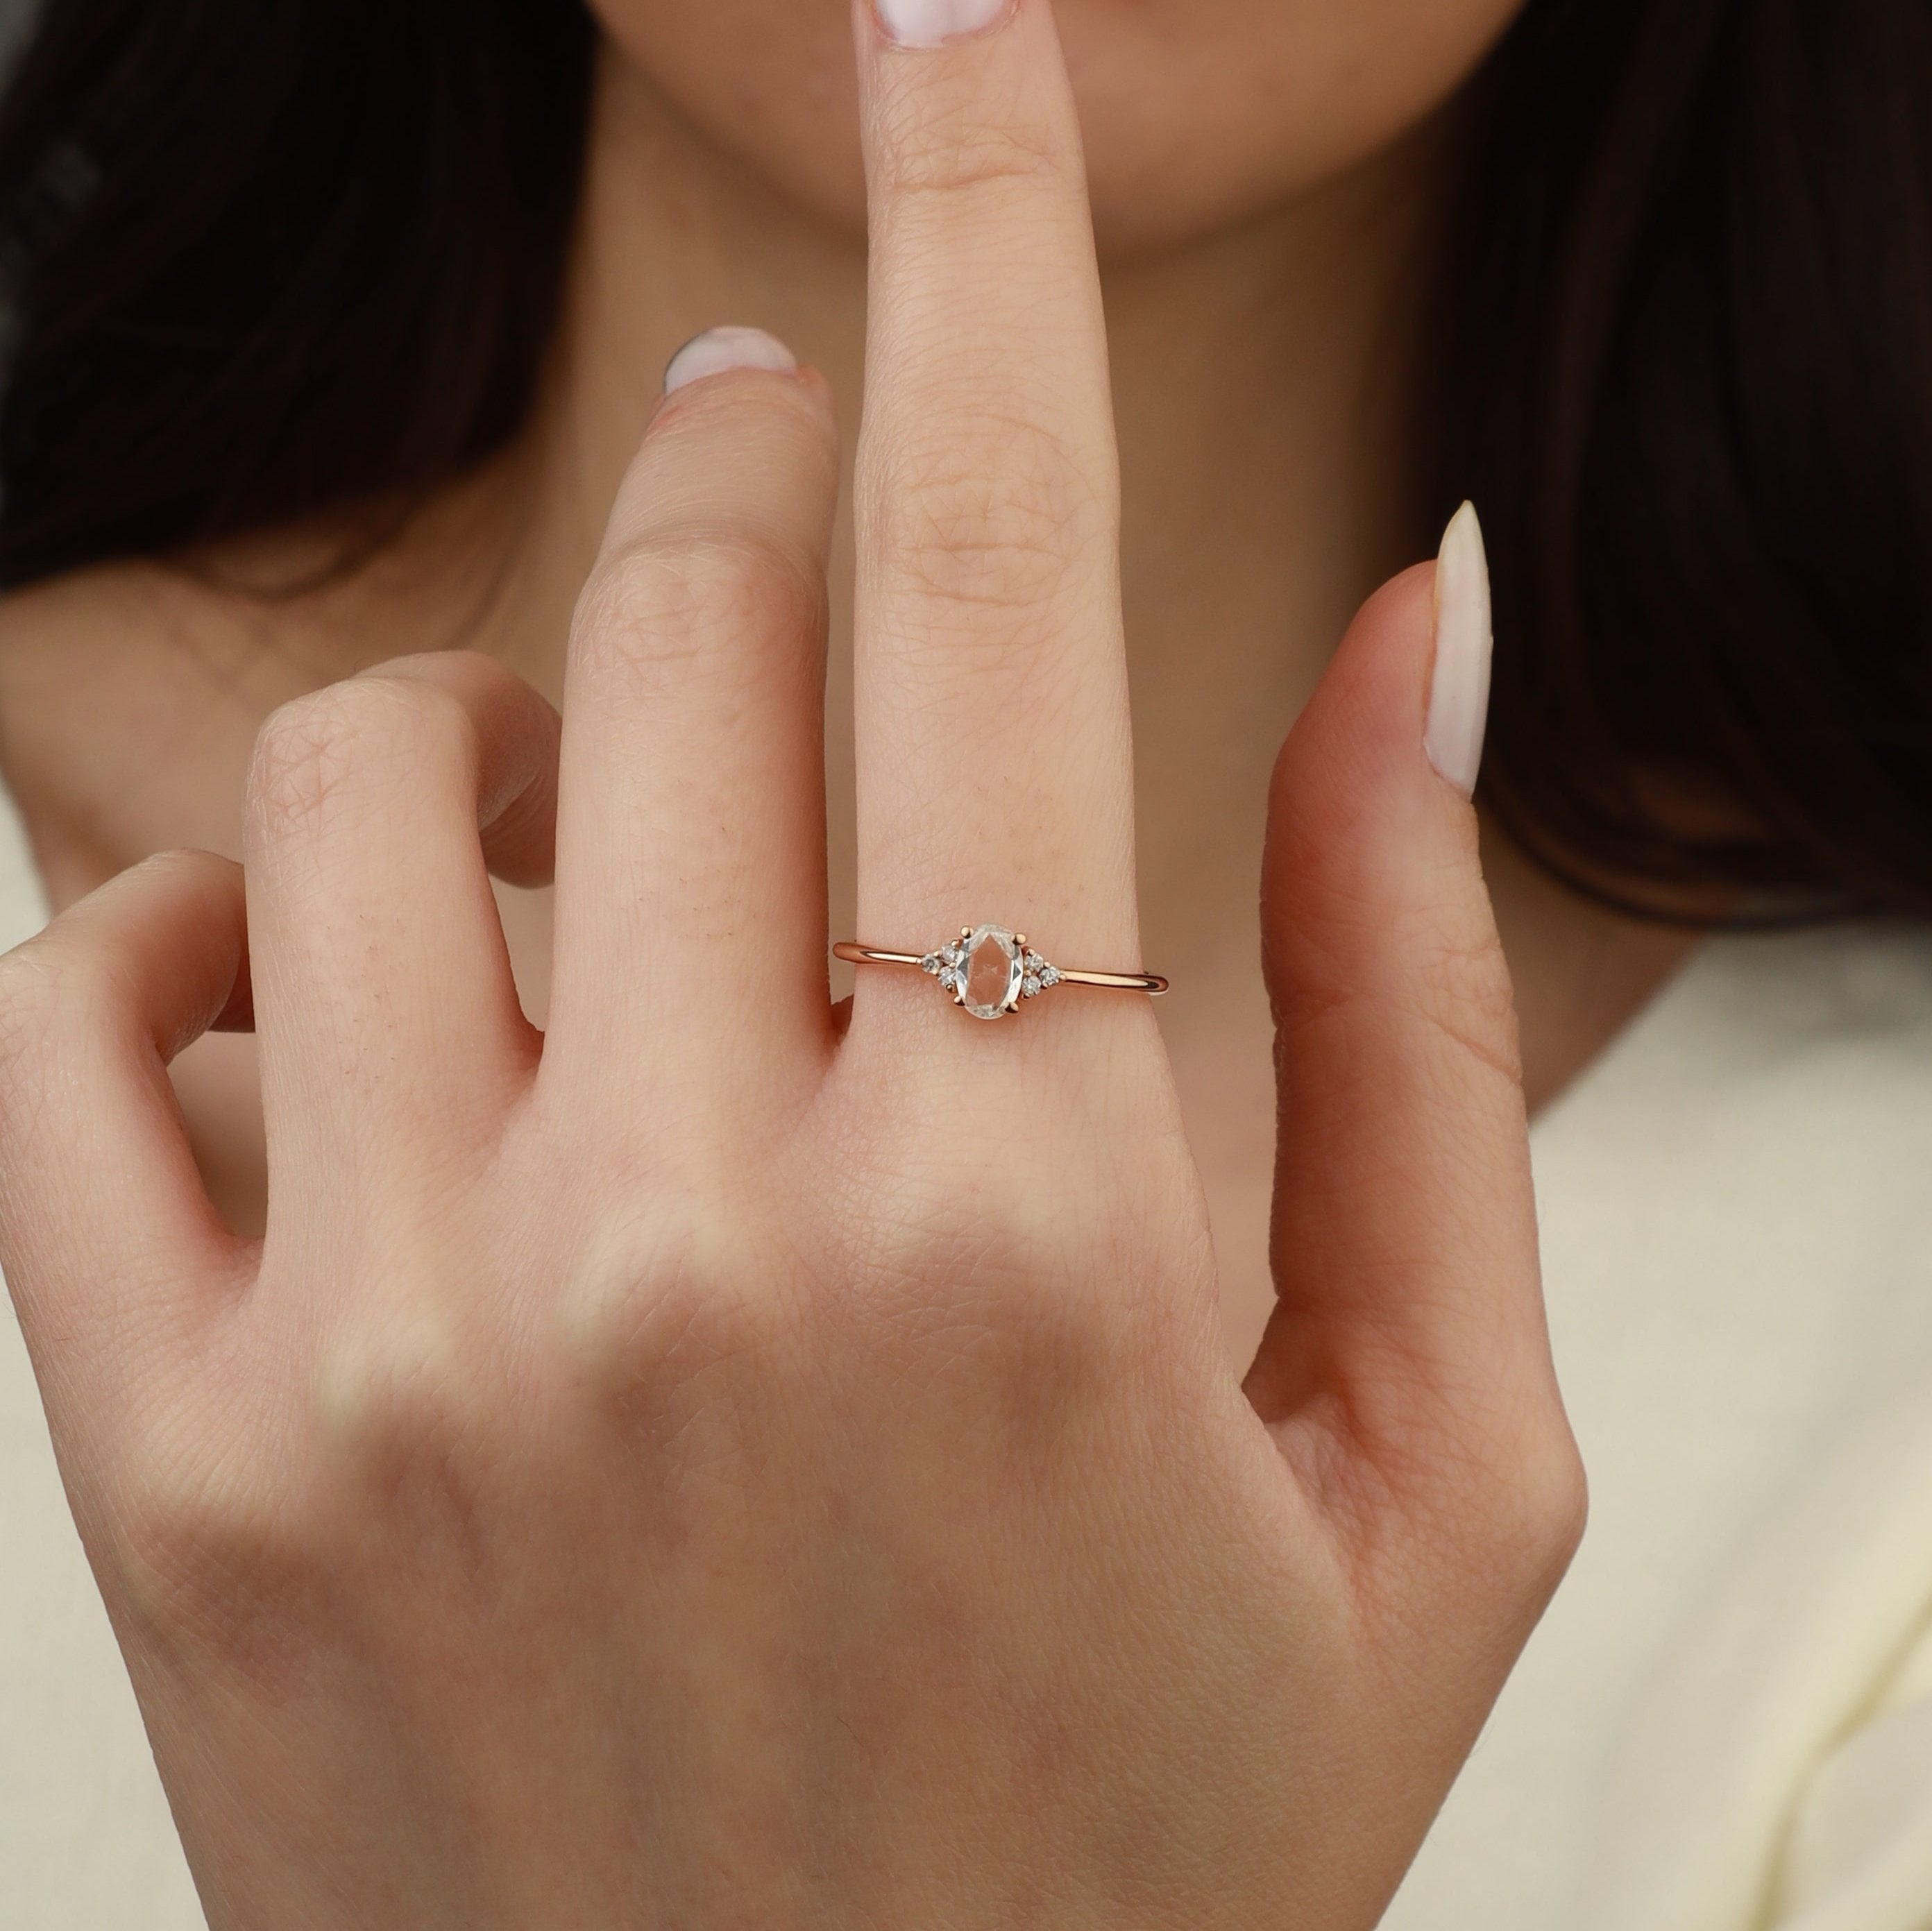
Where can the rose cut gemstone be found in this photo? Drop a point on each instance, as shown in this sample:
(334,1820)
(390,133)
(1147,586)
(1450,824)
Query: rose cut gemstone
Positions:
(994,965)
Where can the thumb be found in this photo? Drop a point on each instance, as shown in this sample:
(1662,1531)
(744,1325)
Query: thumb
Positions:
(1409,1318)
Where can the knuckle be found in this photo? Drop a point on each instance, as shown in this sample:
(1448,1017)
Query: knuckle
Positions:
(401,1393)
(184,869)
(58,998)
(1526,1502)
(656,1321)
(960,154)
(208,1561)
(1467,996)
(743,417)
(1550,1508)
(1477,1488)
(654,608)
(413,1421)
(78,985)
(994,1289)
(1006,522)
(34,1004)
(319,752)
(1356,961)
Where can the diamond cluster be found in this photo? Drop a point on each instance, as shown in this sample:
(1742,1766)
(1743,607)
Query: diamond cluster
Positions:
(1039,976)
(989,970)
(944,965)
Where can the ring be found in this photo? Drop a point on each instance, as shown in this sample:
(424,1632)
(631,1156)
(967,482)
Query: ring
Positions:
(989,970)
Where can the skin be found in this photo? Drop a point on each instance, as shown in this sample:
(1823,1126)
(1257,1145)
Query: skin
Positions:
(1257,263)
(675,1361)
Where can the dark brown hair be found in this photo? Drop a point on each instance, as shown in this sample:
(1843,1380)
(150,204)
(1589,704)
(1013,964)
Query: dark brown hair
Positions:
(263,258)
(1685,367)
(258,261)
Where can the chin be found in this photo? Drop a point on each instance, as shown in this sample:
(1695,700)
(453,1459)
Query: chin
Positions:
(1197,113)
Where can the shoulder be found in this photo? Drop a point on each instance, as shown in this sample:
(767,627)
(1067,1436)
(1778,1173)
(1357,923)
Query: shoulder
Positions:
(131,694)
(97,635)
(123,690)
(66,642)
(76,650)
(133,665)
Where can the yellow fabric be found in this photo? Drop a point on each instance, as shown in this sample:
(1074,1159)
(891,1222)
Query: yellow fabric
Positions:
(1860,1848)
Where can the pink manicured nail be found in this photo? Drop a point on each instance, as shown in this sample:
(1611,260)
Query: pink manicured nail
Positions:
(718,349)
(1459,700)
(931,23)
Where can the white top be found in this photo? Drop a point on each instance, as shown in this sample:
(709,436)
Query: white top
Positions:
(1724,1723)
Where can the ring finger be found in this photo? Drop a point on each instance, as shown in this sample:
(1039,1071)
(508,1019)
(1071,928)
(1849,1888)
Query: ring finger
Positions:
(994,763)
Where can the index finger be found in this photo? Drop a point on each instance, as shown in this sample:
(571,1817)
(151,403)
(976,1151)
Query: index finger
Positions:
(995,779)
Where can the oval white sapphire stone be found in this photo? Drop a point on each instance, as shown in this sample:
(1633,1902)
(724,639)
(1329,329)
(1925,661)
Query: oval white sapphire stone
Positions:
(990,979)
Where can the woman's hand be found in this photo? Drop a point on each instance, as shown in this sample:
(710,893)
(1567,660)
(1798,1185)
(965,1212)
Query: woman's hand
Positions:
(711,1466)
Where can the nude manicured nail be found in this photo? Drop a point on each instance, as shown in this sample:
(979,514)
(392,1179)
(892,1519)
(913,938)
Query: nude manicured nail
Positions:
(1459,700)
(719,350)
(931,23)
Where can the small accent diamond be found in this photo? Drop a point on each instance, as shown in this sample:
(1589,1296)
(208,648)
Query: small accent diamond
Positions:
(1039,975)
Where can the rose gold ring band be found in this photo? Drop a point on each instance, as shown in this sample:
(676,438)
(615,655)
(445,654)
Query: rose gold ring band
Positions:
(989,970)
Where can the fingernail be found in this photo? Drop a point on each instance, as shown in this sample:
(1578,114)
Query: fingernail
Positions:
(1459,699)
(931,23)
(718,349)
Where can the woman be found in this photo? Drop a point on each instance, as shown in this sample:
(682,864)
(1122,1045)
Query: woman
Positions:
(728,1460)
